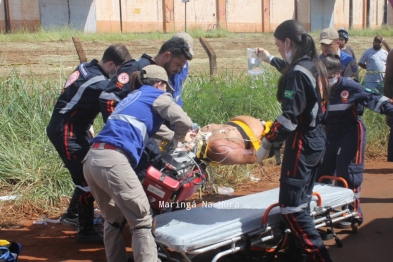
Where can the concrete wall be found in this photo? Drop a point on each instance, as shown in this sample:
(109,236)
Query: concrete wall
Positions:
(200,14)
(175,15)
(23,14)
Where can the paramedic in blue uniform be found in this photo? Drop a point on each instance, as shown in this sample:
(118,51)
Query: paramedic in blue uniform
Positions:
(345,130)
(116,150)
(301,91)
(68,130)
(178,79)
(330,44)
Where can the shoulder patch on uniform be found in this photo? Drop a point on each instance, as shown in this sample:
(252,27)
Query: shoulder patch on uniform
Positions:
(73,77)
(289,94)
(123,78)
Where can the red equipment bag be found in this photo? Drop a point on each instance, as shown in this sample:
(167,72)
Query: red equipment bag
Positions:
(159,188)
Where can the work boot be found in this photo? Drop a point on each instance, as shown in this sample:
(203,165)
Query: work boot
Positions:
(70,219)
(87,232)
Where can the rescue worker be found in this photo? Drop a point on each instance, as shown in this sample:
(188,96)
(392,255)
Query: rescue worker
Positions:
(345,130)
(172,56)
(302,90)
(343,37)
(177,80)
(330,44)
(68,130)
(115,153)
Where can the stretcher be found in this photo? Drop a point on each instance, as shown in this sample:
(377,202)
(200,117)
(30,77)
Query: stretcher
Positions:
(248,222)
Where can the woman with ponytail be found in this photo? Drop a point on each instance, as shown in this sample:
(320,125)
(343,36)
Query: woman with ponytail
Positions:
(302,91)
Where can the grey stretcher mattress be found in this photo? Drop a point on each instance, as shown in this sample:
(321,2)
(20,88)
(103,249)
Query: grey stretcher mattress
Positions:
(209,224)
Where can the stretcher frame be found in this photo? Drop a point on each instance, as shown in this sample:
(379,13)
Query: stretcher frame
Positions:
(270,238)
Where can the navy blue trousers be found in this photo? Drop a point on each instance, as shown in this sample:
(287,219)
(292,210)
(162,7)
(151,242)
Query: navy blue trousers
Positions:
(302,155)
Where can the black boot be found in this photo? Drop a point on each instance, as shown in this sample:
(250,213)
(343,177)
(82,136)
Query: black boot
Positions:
(87,232)
(70,218)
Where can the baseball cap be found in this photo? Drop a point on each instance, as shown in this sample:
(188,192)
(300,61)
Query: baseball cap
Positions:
(158,72)
(188,39)
(328,35)
(378,38)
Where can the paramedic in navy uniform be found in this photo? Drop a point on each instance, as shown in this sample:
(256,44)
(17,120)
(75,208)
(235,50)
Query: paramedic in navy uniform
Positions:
(345,130)
(116,150)
(173,56)
(68,130)
(301,90)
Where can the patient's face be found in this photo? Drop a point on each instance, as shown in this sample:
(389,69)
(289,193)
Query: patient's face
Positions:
(174,65)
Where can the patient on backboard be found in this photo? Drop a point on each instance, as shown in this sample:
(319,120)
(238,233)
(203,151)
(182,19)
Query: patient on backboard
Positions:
(234,142)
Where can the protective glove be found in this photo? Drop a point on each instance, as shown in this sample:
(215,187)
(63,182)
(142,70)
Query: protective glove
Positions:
(263,151)
(268,126)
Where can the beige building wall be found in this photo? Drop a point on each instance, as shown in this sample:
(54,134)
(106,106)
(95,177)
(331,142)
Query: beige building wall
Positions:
(200,14)
(341,14)
(142,16)
(244,15)
(24,14)
(108,16)
(233,15)
(376,13)
(281,10)
(358,13)
(303,13)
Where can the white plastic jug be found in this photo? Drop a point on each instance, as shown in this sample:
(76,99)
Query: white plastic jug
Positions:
(254,63)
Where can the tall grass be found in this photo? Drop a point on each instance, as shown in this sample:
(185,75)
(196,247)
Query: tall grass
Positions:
(30,167)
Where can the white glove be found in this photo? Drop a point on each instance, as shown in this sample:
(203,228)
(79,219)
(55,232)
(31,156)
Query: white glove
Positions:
(264,55)
(263,151)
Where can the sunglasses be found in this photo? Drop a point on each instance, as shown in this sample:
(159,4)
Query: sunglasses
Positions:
(184,48)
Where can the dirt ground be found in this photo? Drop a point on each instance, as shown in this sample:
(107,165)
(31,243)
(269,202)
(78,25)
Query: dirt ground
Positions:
(372,242)
(55,60)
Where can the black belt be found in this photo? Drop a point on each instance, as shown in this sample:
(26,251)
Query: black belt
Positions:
(247,142)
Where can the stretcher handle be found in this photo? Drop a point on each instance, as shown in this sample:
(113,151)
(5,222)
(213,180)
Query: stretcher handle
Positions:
(266,215)
(342,180)
(319,197)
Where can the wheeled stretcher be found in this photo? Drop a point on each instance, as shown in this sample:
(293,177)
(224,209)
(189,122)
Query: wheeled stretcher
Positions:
(248,222)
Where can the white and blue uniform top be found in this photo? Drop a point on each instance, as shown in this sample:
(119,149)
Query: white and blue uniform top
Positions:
(375,61)
(140,116)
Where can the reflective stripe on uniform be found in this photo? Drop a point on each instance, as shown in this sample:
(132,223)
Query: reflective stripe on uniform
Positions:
(285,122)
(86,188)
(339,107)
(79,93)
(109,96)
(309,75)
(134,122)
(290,210)
(381,100)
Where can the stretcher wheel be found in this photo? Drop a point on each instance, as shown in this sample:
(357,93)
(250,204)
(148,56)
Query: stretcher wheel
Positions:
(354,226)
